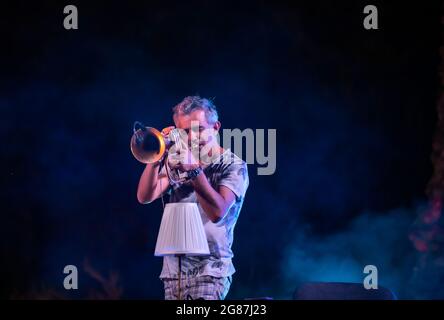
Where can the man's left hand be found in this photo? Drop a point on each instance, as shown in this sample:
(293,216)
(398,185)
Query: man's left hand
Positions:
(187,161)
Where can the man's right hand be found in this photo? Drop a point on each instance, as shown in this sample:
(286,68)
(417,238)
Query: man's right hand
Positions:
(165,132)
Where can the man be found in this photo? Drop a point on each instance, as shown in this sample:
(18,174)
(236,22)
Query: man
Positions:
(217,182)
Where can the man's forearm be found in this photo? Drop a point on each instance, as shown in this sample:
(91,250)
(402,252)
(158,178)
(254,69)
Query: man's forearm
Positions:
(148,183)
(211,201)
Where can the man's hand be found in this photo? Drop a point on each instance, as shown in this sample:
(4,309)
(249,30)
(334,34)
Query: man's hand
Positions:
(165,132)
(185,160)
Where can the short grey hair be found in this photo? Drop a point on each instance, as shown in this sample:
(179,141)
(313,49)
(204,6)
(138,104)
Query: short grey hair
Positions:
(191,103)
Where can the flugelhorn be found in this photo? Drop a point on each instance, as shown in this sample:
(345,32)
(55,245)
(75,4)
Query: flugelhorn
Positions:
(149,145)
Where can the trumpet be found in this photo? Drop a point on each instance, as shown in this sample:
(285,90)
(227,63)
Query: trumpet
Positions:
(149,145)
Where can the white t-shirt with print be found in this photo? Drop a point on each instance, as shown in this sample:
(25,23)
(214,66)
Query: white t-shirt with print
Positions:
(230,171)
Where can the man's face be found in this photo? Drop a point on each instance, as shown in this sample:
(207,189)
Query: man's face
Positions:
(204,132)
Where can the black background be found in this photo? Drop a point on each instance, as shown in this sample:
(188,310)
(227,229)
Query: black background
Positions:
(354,111)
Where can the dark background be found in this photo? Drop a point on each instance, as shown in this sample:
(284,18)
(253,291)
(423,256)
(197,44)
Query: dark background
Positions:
(354,112)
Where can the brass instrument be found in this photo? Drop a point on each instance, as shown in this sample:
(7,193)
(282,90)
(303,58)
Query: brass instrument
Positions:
(148,145)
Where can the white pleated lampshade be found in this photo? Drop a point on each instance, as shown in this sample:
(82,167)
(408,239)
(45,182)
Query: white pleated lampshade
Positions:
(181,231)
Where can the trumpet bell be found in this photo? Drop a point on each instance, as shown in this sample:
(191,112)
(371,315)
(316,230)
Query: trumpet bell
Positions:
(147,145)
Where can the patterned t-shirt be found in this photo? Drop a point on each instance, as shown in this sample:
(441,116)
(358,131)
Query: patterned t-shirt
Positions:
(230,171)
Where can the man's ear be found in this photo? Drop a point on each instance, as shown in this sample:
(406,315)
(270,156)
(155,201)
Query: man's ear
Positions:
(216,125)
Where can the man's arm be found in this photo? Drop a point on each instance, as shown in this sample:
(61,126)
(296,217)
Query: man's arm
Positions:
(214,203)
(151,184)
